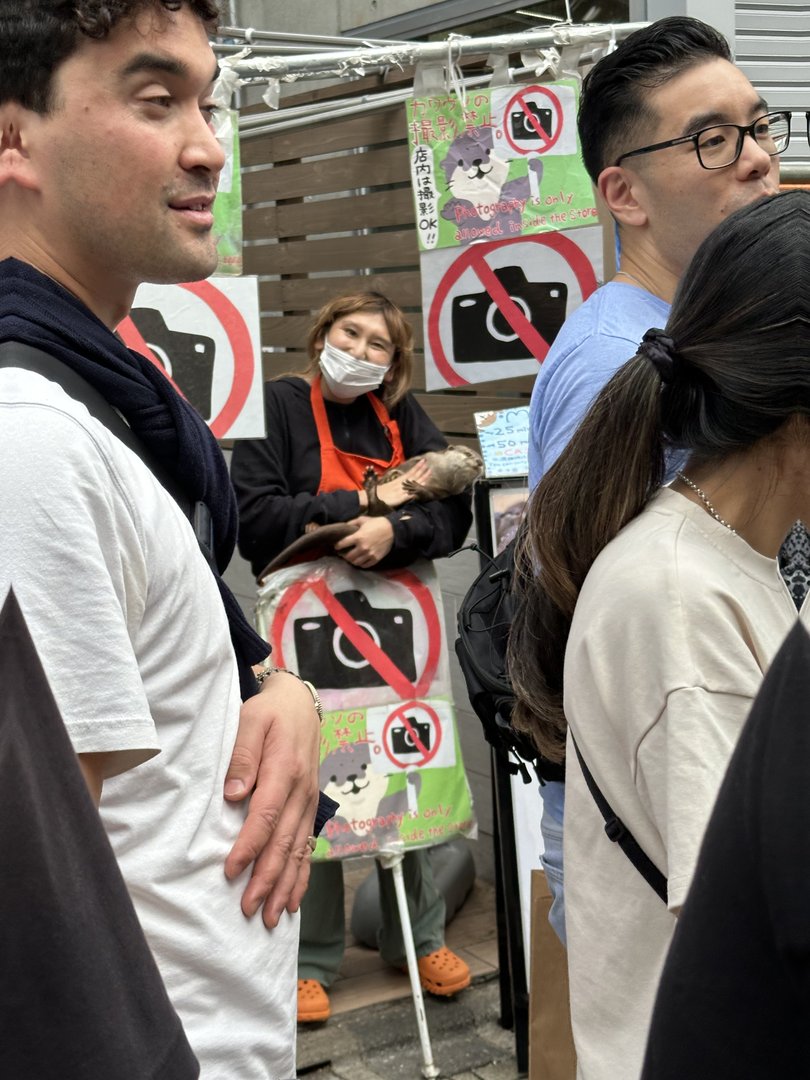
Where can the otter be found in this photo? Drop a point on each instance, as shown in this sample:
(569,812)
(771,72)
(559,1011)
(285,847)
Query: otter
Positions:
(452,471)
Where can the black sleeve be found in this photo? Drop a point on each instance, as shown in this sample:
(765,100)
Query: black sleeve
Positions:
(432,529)
(276,478)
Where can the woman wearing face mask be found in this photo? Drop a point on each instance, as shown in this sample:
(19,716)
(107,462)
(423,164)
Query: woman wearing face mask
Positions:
(348,409)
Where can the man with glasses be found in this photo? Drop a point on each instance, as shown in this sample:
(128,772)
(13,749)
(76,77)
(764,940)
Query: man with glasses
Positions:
(675,138)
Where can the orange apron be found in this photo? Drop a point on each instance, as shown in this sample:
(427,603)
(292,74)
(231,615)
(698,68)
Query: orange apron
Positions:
(340,470)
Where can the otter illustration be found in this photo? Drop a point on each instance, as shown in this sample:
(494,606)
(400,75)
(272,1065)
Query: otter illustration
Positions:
(481,194)
(346,775)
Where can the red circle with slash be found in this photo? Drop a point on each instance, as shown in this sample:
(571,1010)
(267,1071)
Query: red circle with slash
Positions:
(236,330)
(544,141)
(423,754)
(474,258)
(360,638)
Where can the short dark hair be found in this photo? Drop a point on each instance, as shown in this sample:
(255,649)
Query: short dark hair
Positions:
(37,36)
(613,103)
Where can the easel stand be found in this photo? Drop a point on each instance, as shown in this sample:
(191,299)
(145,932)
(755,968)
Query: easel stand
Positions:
(511,947)
(393,862)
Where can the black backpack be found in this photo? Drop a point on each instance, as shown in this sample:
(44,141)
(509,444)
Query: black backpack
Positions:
(484,619)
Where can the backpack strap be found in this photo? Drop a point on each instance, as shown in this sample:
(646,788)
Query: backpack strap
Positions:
(14,354)
(618,832)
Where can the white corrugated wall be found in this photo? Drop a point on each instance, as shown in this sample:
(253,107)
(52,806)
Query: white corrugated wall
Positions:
(772,46)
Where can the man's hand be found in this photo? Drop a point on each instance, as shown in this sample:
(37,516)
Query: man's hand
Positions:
(276,751)
(372,540)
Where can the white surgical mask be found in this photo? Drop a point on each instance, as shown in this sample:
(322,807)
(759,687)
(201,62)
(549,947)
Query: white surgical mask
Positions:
(346,376)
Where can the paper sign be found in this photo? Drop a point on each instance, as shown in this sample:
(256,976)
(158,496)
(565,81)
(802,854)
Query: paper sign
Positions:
(373,644)
(505,163)
(493,309)
(504,439)
(205,336)
(228,203)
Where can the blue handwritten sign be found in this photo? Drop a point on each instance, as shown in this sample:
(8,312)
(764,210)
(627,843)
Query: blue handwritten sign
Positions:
(504,439)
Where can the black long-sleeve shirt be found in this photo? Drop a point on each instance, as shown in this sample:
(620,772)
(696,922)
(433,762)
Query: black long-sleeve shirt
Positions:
(277,478)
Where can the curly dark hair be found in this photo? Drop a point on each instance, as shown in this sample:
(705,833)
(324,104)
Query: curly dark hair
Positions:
(36,36)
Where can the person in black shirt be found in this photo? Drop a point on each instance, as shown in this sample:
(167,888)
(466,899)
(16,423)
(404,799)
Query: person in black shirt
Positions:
(350,408)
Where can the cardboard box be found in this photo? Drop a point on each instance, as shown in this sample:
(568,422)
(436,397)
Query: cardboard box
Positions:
(551,1044)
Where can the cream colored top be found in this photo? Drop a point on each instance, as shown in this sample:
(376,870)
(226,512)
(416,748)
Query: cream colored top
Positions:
(675,626)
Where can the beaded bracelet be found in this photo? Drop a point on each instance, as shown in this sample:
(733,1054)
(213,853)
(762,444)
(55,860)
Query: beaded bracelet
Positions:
(269,670)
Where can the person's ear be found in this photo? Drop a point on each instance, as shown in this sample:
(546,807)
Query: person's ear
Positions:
(16,163)
(623,194)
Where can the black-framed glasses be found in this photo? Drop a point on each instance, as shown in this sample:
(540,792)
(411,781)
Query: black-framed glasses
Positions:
(720,145)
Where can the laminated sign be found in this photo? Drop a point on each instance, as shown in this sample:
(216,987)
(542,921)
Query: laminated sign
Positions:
(205,337)
(504,163)
(507,224)
(228,203)
(493,309)
(373,644)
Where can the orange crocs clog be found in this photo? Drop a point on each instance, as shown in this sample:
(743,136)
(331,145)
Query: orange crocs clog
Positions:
(443,973)
(313,1002)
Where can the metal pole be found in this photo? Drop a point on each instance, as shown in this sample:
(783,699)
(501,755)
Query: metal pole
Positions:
(393,862)
(327,65)
(250,35)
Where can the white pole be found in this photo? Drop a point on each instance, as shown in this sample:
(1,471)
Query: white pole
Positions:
(393,862)
(326,65)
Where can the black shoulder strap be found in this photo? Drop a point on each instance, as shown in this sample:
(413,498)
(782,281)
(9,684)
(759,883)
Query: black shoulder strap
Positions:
(618,832)
(16,354)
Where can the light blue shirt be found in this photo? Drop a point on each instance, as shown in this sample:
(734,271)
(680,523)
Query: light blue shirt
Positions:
(592,345)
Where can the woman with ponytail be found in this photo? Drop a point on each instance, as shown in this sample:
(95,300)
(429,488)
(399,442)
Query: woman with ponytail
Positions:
(666,604)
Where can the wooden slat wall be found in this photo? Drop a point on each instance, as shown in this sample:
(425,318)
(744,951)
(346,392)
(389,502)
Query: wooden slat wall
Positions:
(328,208)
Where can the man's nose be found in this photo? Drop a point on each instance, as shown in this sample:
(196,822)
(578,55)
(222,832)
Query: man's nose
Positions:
(202,149)
(753,156)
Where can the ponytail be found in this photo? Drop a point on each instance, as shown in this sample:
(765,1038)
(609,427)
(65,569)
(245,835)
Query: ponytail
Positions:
(739,372)
(610,470)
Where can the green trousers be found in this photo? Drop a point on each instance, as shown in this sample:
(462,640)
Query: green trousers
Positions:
(322,922)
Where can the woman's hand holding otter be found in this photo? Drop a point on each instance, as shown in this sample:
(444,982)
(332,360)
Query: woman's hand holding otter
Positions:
(371,542)
(392,492)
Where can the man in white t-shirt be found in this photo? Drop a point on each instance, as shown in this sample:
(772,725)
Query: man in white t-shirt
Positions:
(108,169)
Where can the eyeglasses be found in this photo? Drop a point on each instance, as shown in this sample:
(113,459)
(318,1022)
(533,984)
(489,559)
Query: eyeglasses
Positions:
(719,146)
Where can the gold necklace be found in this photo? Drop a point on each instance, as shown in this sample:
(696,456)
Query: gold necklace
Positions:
(704,498)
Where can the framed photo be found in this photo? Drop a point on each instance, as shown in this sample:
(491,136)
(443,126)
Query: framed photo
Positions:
(506,506)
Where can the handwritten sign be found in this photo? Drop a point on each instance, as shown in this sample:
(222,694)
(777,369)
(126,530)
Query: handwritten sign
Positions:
(504,439)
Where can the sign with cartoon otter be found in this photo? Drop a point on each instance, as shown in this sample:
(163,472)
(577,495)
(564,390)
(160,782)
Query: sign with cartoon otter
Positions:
(373,644)
(501,164)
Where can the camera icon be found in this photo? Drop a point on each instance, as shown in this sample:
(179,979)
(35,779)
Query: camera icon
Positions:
(402,740)
(481,333)
(186,358)
(327,658)
(526,127)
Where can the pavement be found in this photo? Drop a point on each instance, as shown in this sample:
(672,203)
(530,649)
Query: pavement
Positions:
(381,1042)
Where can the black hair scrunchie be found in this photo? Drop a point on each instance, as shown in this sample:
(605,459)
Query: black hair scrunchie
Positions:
(657,347)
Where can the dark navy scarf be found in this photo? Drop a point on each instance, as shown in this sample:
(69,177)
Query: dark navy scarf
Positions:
(38,312)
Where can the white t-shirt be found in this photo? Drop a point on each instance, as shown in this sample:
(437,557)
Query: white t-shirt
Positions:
(129,625)
(675,626)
